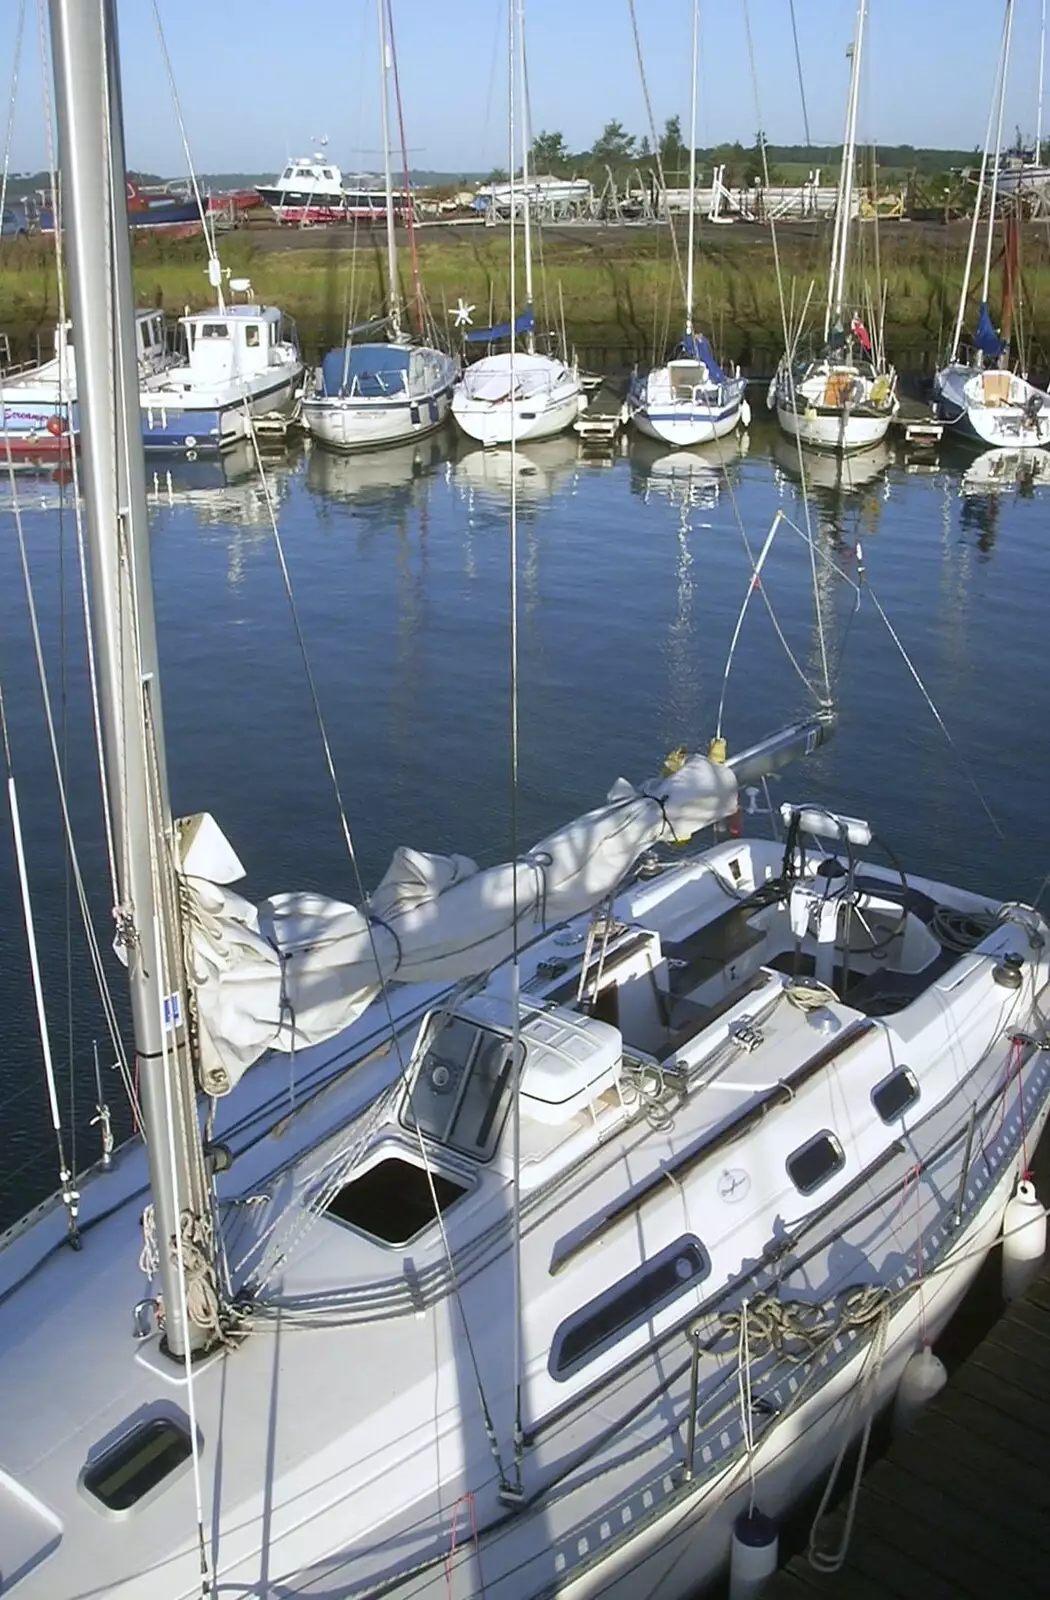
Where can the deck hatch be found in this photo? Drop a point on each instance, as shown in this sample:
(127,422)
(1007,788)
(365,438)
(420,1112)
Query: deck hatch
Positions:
(138,1463)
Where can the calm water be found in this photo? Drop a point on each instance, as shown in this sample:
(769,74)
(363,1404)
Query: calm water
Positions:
(631,575)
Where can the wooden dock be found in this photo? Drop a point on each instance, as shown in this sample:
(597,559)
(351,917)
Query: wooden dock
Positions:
(916,424)
(960,1505)
(599,425)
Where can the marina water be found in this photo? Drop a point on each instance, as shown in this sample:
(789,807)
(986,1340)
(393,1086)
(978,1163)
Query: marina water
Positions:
(631,574)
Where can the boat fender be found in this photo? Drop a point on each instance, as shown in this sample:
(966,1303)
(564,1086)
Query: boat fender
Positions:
(1024,1240)
(745,414)
(923,1378)
(56,426)
(752,1554)
(771,394)
(582,402)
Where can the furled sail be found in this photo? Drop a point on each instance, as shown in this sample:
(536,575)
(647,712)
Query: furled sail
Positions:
(298,968)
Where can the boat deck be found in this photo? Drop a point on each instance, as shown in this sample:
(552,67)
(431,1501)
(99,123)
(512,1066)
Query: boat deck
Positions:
(960,1505)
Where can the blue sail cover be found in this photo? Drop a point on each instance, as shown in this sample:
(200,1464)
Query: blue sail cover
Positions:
(985,337)
(373,371)
(698,345)
(524,324)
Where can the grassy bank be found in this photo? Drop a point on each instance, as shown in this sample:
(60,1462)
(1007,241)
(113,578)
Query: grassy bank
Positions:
(618,287)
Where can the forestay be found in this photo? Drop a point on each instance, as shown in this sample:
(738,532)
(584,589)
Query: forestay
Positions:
(298,968)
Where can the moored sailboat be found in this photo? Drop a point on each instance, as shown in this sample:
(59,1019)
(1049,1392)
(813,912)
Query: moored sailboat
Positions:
(373,393)
(692,399)
(982,398)
(514,395)
(844,396)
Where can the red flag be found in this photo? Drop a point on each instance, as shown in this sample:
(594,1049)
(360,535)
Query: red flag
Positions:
(860,332)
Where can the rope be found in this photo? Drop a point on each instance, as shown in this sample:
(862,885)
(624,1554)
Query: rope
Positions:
(863,1400)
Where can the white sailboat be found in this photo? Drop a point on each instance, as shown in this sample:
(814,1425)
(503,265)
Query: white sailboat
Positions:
(475,1304)
(982,398)
(381,393)
(844,397)
(692,399)
(513,395)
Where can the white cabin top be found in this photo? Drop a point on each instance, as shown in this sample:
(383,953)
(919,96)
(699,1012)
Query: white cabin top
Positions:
(311,175)
(237,342)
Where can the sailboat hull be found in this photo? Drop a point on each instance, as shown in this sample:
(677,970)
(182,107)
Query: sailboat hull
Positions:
(996,409)
(833,429)
(531,397)
(681,423)
(347,424)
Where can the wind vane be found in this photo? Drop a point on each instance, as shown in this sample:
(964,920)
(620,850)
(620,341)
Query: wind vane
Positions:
(463,314)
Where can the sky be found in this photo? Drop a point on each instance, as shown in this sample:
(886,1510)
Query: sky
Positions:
(259,80)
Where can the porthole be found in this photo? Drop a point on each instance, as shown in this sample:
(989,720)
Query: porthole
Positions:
(815,1162)
(627,1305)
(892,1097)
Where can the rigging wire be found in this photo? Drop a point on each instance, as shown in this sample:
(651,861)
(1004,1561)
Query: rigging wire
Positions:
(655,143)
(798,68)
(818,605)
(383,984)
(210,237)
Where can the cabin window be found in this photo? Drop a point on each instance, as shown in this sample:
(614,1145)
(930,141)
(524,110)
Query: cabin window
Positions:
(629,1304)
(251,337)
(214,330)
(393,1201)
(147,335)
(815,1162)
(461,1092)
(326,172)
(140,1461)
(286,174)
(892,1097)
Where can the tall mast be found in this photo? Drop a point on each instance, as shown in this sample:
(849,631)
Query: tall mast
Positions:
(526,198)
(392,295)
(976,218)
(998,150)
(1039,103)
(91,132)
(848,158)
(692,176)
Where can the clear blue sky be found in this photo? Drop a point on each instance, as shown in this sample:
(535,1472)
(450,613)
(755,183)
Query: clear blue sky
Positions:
(259,79)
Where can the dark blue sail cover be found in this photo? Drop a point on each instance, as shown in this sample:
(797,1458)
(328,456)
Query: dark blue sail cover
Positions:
(698,345)
(524,324)
(371,370)
(985,337)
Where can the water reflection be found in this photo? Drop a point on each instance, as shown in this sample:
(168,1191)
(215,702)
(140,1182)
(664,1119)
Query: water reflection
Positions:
(847,492)
(543,467)
(688,478)
(1006,471)
(390,478)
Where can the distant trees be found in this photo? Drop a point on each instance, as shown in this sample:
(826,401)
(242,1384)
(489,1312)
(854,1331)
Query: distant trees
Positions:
(550,154)
(614,146)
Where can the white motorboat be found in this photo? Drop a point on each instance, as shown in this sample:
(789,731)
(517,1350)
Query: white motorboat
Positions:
(691,399)
(308,191)
(843,397)
(369,394)
(509,396)
(461,1278)
(976,392)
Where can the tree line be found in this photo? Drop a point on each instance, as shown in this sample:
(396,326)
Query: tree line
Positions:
(621,152)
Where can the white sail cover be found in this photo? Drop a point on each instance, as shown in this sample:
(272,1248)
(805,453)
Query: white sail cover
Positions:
(298,968)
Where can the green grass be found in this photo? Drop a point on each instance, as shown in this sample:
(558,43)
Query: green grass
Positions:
(619,289)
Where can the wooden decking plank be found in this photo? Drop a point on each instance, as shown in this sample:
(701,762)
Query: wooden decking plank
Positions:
(1029,1324)
(982,1422)
(987,1554)
(895,1574)
(802,1583)
(1038,1293)
(949,1457)
(993,1377)
(953,1569)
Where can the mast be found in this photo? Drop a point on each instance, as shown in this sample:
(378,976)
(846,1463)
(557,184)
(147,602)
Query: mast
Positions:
(91,133)
(530,338)
(976,218)
(848,158)
(1008,28)
(393,297)
(692,176)
(1039,102)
